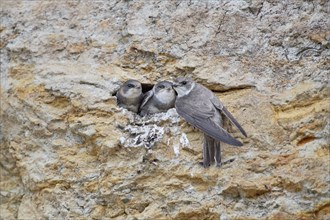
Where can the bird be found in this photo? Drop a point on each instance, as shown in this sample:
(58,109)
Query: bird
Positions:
(201,108)
(130,95)
(159,99)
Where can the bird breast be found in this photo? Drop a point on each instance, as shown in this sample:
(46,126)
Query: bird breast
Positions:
(165,96)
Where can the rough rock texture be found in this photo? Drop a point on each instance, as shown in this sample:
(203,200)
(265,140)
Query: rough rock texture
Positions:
(68,151)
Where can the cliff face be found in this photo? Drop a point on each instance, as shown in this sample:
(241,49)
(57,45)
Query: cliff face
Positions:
(68,151)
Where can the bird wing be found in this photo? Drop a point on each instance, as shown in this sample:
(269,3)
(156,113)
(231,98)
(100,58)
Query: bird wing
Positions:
(216,102)
(202,119)
(146,97)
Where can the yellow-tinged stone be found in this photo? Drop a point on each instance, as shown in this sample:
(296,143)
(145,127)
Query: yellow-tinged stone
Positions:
(69,152)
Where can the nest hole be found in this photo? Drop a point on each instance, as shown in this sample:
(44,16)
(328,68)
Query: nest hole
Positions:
(147,87)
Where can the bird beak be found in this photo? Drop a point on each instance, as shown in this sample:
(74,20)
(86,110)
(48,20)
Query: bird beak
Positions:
(175,85)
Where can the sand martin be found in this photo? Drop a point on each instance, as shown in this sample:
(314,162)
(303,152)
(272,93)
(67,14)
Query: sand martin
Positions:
(159,99)
(202,109)
(130,95)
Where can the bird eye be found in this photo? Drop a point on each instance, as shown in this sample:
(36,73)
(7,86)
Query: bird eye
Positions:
(130,85)
(161,86)
(184,83)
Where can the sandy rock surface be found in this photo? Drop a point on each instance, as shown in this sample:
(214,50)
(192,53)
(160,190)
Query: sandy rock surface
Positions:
(68,151)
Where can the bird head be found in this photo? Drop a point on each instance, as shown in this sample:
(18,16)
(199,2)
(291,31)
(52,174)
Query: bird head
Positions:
(163,86)
(183,86)
(132,88)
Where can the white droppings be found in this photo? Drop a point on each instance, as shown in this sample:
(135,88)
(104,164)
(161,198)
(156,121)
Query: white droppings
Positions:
(148,130)
(176,149)
(145,136)
(184,140)
(122,140)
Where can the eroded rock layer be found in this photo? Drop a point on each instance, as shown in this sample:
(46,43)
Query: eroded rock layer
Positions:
(68,152)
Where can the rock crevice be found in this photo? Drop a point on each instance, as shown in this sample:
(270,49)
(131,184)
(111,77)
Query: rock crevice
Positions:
(68,151)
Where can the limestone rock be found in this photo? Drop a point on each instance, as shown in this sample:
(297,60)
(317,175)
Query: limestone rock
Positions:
(68,151)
